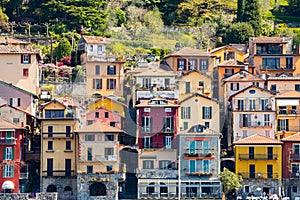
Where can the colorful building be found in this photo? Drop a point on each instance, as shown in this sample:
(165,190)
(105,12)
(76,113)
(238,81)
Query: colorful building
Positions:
(199,163)
(258,160)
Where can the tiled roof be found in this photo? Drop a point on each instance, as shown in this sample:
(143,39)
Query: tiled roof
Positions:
(9,40)
(239,47)
(153,69)
(291,94)
(295,137)
(99,127)
(7,125)
(15,49)
(191,71)
(199,95)
(188,51)
(257,139)
(95,39)
(268,40)
(247,88)
(243,76)
(232,62)
(20,89)
(147,103)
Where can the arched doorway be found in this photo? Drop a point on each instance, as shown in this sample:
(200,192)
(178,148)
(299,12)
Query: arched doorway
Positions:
(97,189)
(163,189)
(51,188)
(150,188)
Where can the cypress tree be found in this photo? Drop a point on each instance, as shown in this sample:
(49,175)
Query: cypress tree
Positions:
(240,10)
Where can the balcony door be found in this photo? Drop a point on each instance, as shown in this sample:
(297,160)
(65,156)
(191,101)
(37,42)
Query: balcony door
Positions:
(270,171)
(251,171)
(50,167)
(168,142)
(68,167)
(192,147)
(192,166)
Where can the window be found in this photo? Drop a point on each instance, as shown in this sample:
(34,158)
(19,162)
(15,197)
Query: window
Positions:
(251,152)
(245,133)
(206,124)
(147,142)
(97,83)
(192,64)
(54,114)
(8,171)
(8,153)
(148,164)
(267,120)
(146,83)
(168,124)
(234,86)
(241,105)
(111,70)
(246,188)
(49,166)
(296,148)
(270,153)
(108,152)
(270,63)
(25,59)
(264,103)
(109,137)
(181,64)
(96,114)
(15,101)
(252,171)
(168,110)
(270,171)
(267,133)
(165,164)
(206,112)
(25,72)
(89,154)
(106,115)
(273,88)
(252,105)
(89,122)
(68,145)
(89,137)
(168,142)
(167,82)
(146,124)
(187,87)
(228,72)
(204,64)
(97,69)
(50,145)
(16,120)
(297,87)
(147,109)
(283,124)
(68,131)
(68,167)
(192,166)
(295,168)
(50,131)
(201,84)
(185,125)
(89,169)
(206,165)
(185,112)
(100,49)
(109,168)
(111,84)
(113,124)
(91,47)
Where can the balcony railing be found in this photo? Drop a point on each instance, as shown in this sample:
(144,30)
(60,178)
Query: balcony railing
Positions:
(157,173)
(259,175)
(199,173)
(8,141)
(258,157)
(254,124)
(59,173)
(23,175)
(157,130)
(288,129)
(199,152)
(295,157)
(288,112)
(284,67)
(257,107)
(156,145)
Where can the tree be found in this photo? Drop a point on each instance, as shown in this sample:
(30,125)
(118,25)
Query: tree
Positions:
(238,33)
(3,21)
(230,181)
(252,15)
(153,20)
(63,49)
(240,10)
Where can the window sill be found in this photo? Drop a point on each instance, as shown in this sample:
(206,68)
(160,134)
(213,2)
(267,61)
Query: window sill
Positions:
(68,150)
(50,150)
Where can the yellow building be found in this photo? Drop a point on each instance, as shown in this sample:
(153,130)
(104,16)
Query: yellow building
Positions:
(259,162)
(230,52)
(193,82)
(58,149)
(104,73)
(288,115)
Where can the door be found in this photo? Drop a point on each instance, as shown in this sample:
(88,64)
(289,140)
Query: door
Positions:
(252,171)
(168,142)
(68,167)
(270,171)
(49,167)
(270,153)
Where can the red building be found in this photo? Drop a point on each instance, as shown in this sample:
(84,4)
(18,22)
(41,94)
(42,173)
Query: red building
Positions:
(11,156)
(291,165)
(158,123)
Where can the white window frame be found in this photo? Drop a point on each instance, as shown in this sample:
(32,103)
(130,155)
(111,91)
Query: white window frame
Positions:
(8,153)
(206,111)
(186,113)
(147,124)
(8,171)
(147,109)
(147,140)
(168,110)
(252,105)
(267,121)
(168,142)
(148,164)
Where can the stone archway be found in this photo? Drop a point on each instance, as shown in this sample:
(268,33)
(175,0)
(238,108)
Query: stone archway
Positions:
(97,189)
(51,188)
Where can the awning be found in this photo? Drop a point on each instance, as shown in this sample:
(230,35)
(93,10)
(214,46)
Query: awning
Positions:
(8,185)
(287,102)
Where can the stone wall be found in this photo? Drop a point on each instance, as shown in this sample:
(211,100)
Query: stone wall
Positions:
(13,196)
(70,89)
(46,196)
(61,183)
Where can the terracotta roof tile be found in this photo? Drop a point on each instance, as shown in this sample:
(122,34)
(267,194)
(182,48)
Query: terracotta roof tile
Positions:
(153,69)
(99,127)
(268,40)
(257,139)
(242,76)
(232,62)
(15,49)
(95,39)
(291,94)
(7,125)
(295,137)
(9,40)
(148,103)
(188,51)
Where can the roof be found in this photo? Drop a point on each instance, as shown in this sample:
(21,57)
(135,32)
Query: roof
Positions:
(232,62)
(295,137)
(99,127)
(258,140)
(243,76)
(115,101)
(153,69)
(20,89)
(251,86)
(8,125)
(239,47)
(54,100)
(10,40)
(16,108)
(289,95)
(198,95)
(277,40)
(194,70)
(147,103)
(95,39)
(188,51)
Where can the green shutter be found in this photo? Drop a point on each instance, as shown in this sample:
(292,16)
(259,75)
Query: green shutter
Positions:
(181,112)
(4,153)
(287,125)
(3,171)
(11,101)
(203,109)
(13,154)
(13,171)
(189,112)
(210,112)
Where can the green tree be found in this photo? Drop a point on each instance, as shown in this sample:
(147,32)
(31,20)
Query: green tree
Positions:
(3,20)
(252,15)
(230,181)
(63,49)
(294,6)
(238,33)
(153,20)
(240,10)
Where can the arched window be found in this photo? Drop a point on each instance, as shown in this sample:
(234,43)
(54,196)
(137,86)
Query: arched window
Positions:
(97,189)
(51,188)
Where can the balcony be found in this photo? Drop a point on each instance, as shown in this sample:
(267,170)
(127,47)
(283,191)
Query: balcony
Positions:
(156,145)
(199,152)
(258,157)
(295,157)
(295,175)
(146,93)
(8,141)
(288,112)
(157,173)
(254,124)
(157,129)
(199,173)
(61,173)
(271,68)
(98,158)
(259,175)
